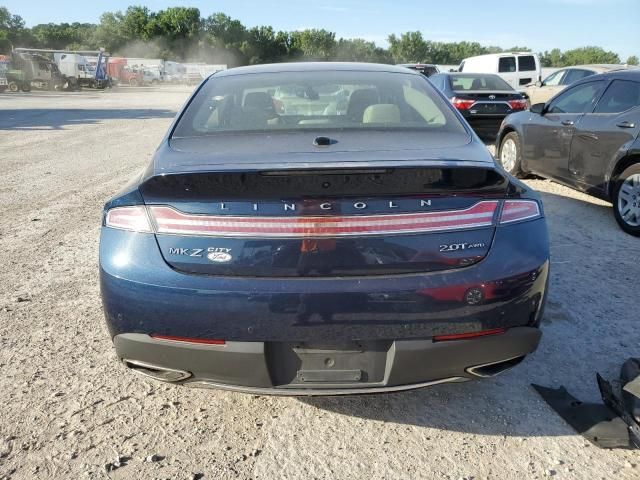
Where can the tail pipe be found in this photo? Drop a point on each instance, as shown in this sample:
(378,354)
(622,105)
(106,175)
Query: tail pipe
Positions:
(157,372)
(492,369)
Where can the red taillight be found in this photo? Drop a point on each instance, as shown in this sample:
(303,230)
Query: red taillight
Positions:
(203,341)
(516,210)
(462,336)
(171,221)
(462,104)
(520,104)
(133,218)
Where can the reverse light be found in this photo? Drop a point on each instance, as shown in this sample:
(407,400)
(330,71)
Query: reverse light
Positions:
(133,218)
(463,336)
(517,210)
(202,341)
(171,221)
(519,104)
(462,104)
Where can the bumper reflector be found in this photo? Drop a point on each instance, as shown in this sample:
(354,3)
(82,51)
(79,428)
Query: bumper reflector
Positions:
(203,341)
(171,221)
(463,336)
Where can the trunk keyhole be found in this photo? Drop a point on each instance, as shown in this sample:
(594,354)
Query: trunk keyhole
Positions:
(324,141)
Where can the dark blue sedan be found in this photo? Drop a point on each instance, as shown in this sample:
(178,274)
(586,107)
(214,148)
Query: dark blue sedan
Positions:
(322,229)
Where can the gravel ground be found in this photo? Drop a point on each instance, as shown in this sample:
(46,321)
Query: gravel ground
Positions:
(70,410)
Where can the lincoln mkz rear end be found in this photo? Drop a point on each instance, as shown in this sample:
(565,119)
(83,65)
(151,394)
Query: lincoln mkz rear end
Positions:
(352,236)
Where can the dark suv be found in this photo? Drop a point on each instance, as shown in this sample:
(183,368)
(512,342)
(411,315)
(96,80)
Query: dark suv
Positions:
(586,137)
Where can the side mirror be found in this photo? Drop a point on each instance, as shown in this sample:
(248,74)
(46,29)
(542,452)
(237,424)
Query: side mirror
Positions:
(537,108)
(538,83)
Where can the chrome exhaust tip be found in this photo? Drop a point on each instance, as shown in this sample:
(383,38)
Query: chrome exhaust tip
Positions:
(492,369)
(156,372)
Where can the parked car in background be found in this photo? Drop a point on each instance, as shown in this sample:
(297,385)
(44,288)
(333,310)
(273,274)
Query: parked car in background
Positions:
(518,69)
(152,75)
(427,69)
(540,92)
(483,99)
(366,246)
(585,137)
(4,68)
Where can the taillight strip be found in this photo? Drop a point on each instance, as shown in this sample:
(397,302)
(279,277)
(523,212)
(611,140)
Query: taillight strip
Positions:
(518,210)
(171,221)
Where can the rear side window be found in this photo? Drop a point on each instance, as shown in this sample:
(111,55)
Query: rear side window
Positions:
(313,100)
(574,75)
(527,63)
(619,97)
(438,81)
(507,64)
(579,99)
(554,79)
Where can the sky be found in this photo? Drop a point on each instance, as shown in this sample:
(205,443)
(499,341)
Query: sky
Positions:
(538,24)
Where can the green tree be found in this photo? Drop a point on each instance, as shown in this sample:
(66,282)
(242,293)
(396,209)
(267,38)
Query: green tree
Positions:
(586,55)
(177,29)
(226,31)
(137,24)
(62,35)
(632,60)
(13,31)
(359,50)
(314,44)
(410,47)
(552,58)
(110,32)
(223,38)
(263,45)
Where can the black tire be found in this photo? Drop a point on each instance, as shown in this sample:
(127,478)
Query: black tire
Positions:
(14,87)
(511,140)
(25,87)
(630,224)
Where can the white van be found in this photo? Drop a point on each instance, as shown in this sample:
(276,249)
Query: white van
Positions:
(518,69)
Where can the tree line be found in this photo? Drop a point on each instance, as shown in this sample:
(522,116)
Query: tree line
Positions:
(182,34)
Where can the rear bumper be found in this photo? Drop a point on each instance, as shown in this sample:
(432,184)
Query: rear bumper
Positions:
(485,125)
(142,294)
(287,369)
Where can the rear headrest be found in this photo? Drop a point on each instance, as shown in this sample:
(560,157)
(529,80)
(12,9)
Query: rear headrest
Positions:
(259,100)
(381,113)
(476,84)
(359,100)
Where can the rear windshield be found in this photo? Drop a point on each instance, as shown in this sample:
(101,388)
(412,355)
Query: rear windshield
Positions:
(460,83)
(315,100)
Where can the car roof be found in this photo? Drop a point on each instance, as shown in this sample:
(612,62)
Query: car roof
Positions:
(316,67)
(600,67)
(501,54)
(631,74)
(416,65)
(467,74)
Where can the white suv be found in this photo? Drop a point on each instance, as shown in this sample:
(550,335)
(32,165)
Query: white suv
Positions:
(518,69)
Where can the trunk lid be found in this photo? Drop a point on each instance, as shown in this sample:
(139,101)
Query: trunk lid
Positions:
(325,222)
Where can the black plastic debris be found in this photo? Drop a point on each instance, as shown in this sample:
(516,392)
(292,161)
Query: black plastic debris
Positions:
(614,424)
(595,421)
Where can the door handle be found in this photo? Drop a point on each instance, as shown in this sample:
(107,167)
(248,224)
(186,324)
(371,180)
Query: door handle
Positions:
(626,124)
(567,123)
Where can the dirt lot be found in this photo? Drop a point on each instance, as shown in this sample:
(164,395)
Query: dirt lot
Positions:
(68,408)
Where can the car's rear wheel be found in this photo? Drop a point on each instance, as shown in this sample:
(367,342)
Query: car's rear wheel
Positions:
(626,200)
(510,154)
